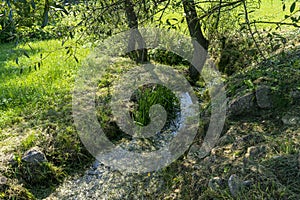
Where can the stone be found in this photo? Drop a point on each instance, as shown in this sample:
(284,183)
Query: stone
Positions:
(3,180)
(247,183)
(290,120)
(234,184)
(263,97)
(95,164)
(34,155)
(255,152)
(241,105)
(3,183)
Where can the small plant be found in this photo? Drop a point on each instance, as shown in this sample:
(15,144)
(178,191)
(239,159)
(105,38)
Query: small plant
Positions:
(149,95)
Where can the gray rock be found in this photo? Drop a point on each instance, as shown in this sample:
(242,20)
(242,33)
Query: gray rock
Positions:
(255,152)
(34,155)
(241,105)
(290,120)
(3,180)
(234,184)
(95,164)
(247,183)
(3,183)
(263,97)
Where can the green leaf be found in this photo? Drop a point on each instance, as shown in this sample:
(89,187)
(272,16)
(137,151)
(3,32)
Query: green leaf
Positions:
(293,6)
(76,59)
(26,54)
(168,22)
(294,19)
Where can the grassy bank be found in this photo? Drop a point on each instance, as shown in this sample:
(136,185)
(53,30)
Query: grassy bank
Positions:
(35,110)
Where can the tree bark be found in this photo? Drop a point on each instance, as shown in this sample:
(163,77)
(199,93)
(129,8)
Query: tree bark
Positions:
(200,43)
(139,55)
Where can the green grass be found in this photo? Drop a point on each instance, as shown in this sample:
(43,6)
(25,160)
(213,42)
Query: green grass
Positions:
(266,10)
(26,86)
(35,110)
(271,10)
(148,96)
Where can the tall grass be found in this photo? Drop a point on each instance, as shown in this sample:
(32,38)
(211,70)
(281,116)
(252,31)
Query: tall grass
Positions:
(27,86)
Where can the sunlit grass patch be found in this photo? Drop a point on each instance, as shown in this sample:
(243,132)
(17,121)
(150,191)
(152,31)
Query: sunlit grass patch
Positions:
(272,10)
(30,82)
(36,84)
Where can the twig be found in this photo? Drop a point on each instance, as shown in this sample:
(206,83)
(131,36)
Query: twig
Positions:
(250,30)
(277,23)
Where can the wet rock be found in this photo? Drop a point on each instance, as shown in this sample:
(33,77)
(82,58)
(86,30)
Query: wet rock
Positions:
(241,105)
(34,155)
(263,97)
(215,183)
(255,152)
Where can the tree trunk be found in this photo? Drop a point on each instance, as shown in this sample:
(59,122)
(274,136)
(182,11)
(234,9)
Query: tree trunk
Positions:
(46,14)
(139,55)
(199,56)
